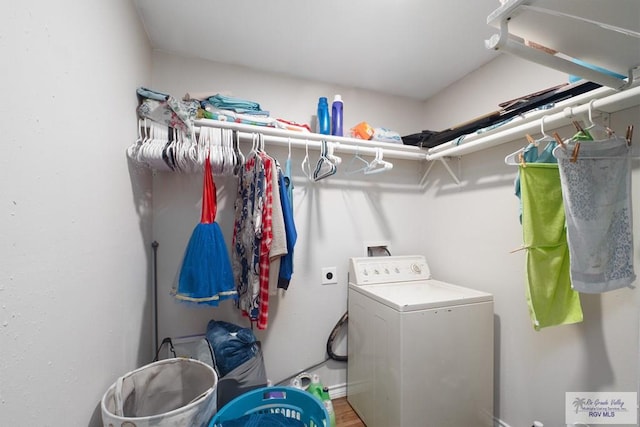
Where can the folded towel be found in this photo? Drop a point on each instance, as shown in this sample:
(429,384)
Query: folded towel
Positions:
(152,94)
(597,198)
(236,104)
(549,295)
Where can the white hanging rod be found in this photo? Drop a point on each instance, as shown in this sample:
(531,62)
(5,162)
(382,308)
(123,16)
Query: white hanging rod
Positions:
(614,102)
(532,116)
(285,137)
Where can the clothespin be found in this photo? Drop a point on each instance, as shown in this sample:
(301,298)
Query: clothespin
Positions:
(574,154)
(583,134)
(579,128)
(629,135)
(559,139)
(521,161)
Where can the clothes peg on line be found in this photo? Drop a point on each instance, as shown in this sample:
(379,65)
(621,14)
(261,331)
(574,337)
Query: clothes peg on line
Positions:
(576,151)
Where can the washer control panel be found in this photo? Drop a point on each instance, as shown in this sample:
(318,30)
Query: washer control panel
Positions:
(388,269)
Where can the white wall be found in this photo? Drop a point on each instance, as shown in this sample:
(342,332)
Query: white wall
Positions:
(75,234)
(469,231)
(74,228)
(333,217)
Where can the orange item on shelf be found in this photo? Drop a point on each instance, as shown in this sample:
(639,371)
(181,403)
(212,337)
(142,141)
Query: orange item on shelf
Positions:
(362,130)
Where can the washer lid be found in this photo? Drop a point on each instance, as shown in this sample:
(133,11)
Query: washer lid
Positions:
(420,295)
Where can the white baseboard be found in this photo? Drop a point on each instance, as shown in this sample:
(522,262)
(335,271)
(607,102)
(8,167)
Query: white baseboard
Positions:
(497,422)
(338,390)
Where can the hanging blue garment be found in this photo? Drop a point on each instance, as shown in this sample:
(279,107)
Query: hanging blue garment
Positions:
(286,262)
(206,276)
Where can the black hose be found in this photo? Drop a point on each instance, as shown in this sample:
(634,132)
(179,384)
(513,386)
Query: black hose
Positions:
(332,355)
(332,336)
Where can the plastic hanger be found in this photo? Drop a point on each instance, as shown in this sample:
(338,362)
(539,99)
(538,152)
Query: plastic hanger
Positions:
(155,154)
(306,165)
(132,150)
(238,153)
(595,127)
(228,155)
(356,164)
(145,141)
(325,167)
(378,165)
(332,157)
(518,157)
(183,160)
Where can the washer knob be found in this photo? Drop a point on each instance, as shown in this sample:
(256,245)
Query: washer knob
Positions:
(416,268)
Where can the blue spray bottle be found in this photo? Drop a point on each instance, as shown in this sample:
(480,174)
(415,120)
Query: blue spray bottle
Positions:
(336,116)
(324,124)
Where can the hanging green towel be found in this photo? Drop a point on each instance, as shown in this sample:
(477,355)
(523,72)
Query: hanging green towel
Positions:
(551,299)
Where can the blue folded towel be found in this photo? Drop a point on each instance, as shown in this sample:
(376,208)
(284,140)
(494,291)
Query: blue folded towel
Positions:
(236,104)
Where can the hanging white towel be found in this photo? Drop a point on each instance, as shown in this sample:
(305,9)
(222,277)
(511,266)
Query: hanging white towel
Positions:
(596,189)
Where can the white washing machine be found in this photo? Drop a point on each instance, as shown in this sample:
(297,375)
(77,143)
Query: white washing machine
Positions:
(420,351)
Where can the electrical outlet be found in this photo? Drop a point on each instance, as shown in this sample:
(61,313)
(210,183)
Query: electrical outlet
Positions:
(329,276)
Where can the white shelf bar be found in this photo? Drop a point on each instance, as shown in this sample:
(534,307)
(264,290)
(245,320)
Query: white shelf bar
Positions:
(284,137)
(506,44)
(575,37)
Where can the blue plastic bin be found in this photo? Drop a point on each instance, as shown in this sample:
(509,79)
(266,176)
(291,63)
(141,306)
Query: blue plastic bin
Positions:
(288,401)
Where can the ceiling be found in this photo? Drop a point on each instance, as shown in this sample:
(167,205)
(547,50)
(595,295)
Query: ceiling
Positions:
(411,48)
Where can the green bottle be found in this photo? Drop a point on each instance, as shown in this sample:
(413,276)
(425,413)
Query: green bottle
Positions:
(315,387)
(326,400)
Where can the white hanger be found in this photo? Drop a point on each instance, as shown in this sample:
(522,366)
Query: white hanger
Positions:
(378,165)
(516,158)
(155,148)
(217,152)
(182,161)
(306,165)
(145,140)
(357,163)
(132,150)
(332,157)
(592,126)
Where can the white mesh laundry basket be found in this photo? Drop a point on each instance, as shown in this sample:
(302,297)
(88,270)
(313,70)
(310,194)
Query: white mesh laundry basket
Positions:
(175,392)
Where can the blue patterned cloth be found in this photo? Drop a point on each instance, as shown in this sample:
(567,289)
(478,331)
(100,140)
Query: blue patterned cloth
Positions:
(596,189)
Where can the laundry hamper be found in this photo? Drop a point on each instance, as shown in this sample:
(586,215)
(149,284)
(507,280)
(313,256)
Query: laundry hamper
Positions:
(288,401)
(176,392)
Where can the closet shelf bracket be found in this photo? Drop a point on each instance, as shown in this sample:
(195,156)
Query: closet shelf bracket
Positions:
(444,161)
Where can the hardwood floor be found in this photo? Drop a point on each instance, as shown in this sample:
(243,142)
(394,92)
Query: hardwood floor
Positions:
(345,415)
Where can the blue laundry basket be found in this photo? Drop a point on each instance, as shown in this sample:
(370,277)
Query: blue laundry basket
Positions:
(288,401)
